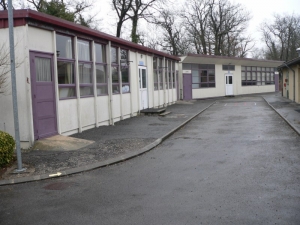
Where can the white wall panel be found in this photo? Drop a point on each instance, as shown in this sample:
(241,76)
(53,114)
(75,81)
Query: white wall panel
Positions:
(68,116)
(126,110)
(23,87)
(103,110)
(87,111)
(116,106)
(40,40)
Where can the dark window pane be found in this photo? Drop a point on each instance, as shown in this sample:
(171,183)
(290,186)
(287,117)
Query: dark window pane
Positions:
(100,53)
(101,74)
(155,63)
(65,72)
(144,79)
(86,91)
(102,90)
(230,79)
(85,73)
(125,74)
(210,66)
(64,46)
(115,75)
(66,92)
(186,66)
(124,57)
(84,50)
(115,88)
(114,55)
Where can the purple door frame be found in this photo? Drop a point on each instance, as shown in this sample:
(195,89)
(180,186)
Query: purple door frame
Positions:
(43,99)
(276,78)
(187,87)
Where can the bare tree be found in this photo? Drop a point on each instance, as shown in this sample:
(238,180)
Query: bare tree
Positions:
(196,15)
(121,7)
(216,27)
(173,38)
(139,9)
(282,37)
(3,5)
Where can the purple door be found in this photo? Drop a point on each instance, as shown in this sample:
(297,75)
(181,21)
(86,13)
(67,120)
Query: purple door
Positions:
(187,86)
(43,95)
(276,78)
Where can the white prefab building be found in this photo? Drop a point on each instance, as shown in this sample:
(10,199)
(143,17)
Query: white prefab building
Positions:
(71,78)
(204,76)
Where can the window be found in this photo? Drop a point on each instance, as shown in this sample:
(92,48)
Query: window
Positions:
(255,75)
(115,70)
(173,74)
(85,68)
(65,66)
(125,71)
(155,73)
(203,75)
(228,67)
(101,70)
(166,75)
(160,74)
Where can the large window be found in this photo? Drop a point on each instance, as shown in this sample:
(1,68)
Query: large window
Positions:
(85,69)
(228,67)
(101,69)
(203,75)
(160,74)
(65,66)
(155,73)
(125,71)
(255,75)
(115,70)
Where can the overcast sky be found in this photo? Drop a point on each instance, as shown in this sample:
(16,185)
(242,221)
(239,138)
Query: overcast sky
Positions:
(260,10)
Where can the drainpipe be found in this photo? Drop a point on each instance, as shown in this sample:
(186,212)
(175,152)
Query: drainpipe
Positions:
(294,86)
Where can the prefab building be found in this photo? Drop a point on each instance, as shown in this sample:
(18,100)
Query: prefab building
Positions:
(291,79)
(71,78)
(206,76)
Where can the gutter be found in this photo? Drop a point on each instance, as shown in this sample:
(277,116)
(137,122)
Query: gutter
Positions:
(294,85)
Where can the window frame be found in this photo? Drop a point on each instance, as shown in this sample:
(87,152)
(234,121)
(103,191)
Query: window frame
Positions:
(67,60)
(127,67)
(258,76)
(104,64)
(202,68)
(82,85)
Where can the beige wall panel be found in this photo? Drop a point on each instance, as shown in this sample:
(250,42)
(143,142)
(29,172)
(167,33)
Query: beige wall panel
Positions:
(126,104)
(68,115)
(23,86)
(87,111)
(134,89)
(40,40)
(116,106)
(103,110)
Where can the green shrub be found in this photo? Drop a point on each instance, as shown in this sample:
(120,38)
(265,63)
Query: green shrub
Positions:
(7,146)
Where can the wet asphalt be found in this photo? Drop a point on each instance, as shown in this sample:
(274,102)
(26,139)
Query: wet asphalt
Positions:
(236,163)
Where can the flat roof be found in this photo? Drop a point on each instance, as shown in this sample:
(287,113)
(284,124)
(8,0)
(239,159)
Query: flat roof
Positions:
(24,16)
(216,59)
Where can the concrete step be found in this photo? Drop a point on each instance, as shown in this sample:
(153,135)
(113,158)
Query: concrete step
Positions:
(153,111)
(165,113)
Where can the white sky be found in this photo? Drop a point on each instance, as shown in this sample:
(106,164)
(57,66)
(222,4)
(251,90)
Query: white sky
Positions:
(260,10)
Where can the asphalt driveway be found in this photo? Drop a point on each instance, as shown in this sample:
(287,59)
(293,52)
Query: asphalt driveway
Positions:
(236,163)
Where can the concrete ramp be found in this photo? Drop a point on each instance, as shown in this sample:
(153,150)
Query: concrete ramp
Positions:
(60,142)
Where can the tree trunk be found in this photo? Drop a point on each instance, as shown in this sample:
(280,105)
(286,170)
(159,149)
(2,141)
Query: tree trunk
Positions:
(119,27)
(134,36)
